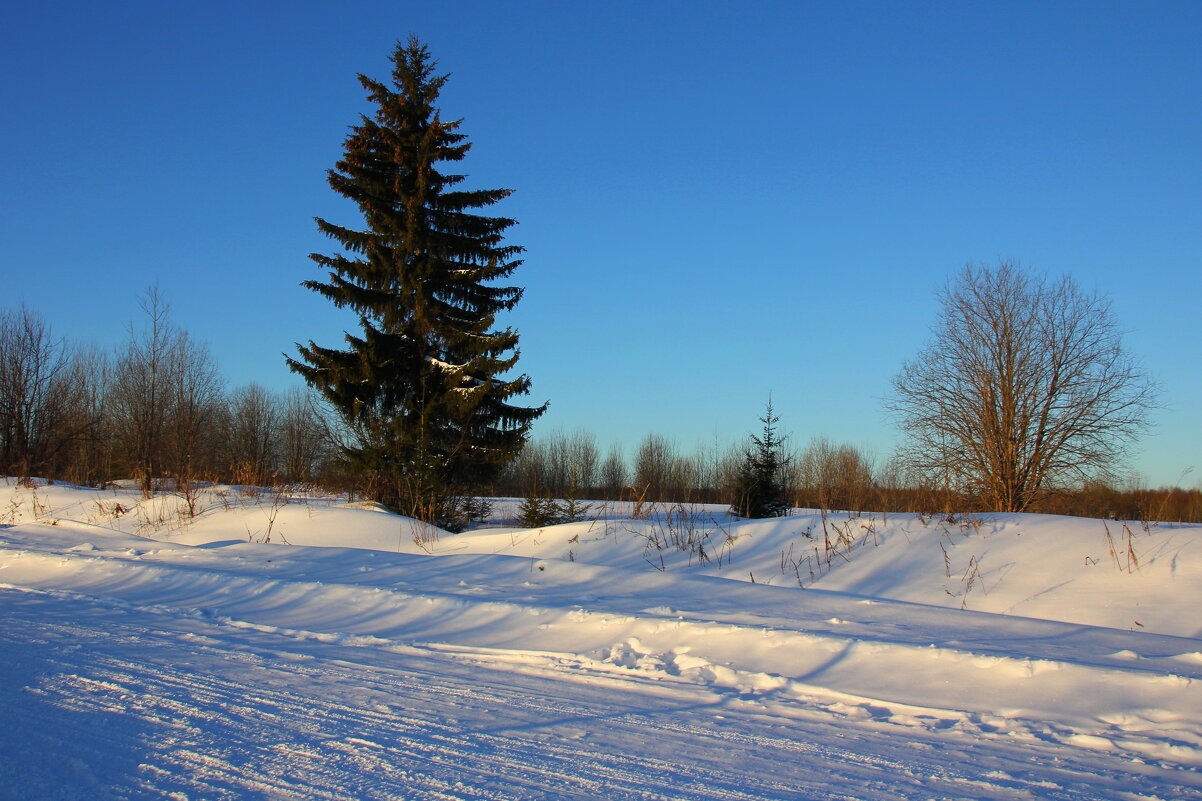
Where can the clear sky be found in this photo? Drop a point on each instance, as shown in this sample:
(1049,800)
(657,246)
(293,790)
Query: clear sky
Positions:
(719,200)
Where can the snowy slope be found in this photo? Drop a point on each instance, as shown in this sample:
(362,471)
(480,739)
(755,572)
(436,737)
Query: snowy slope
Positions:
(602,659)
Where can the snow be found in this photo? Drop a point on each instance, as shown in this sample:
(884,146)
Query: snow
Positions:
(295,646)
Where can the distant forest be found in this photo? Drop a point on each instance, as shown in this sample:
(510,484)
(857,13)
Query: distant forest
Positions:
(158,409)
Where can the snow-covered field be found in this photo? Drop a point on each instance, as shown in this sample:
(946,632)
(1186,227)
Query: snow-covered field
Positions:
(288,647)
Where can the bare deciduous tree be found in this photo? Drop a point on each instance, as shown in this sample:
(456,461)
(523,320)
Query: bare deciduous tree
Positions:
(194,398)
(833,476)
(1024,389)
(254,418)
(613,472)
(35,393)
(139,390)
(89,452)
(654,465)
(165,393)
(572,458)
(304,444)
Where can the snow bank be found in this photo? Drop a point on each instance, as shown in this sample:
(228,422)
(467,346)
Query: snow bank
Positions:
(1018,628)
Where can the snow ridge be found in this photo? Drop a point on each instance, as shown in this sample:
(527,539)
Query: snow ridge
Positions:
(667,683)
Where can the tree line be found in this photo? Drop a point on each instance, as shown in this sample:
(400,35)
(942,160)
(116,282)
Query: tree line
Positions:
(156,409)
(822,474)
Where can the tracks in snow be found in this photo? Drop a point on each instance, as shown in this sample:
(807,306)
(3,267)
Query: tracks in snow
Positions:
(194,708)
(320,673)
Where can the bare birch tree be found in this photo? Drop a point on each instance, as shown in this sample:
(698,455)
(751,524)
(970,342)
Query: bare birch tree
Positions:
(35,393)
(165,392)
(254,431)
(614,475)
(194,396)
(1024,389)
(654,464)
(303,444)
(833,476)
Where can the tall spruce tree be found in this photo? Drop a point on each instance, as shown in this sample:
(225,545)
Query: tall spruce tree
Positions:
(423,388)
(761,490)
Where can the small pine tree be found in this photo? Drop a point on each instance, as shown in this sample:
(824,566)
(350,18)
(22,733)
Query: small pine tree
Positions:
(538,510)
(421,388)
(760,489)
(573,509)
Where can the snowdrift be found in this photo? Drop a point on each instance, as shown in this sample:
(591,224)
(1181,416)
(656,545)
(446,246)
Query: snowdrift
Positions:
(1044,631)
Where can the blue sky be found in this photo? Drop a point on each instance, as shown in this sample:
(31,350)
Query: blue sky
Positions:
(718,200)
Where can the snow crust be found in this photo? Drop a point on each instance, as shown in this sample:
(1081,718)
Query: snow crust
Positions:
(302,647)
